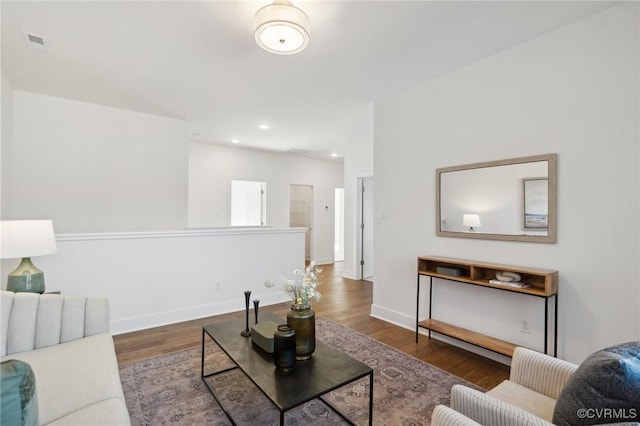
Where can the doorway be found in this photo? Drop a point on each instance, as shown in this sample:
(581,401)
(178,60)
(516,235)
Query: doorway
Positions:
(248,205)
(301,213)
(338,234)
(365,228)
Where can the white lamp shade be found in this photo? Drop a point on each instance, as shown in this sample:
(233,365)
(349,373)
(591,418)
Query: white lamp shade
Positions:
(26,238)
(471,220)
(282,28)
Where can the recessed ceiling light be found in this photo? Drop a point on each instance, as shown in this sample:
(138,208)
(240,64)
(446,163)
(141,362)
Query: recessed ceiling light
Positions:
(264,126)
(334,154)
(235,140)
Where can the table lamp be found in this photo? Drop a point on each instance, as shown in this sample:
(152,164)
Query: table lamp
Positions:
(471,220)
(24,239)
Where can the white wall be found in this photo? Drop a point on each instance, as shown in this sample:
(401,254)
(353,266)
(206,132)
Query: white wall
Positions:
(92,168)
(115,184)
(6,90)
(6,145)
(211,168)
(358,162)
(573,91)
(165,277)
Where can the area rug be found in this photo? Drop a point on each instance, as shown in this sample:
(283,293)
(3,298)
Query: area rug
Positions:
(168,390)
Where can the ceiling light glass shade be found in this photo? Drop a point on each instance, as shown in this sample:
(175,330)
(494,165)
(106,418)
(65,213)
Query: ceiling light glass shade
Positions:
(282,28)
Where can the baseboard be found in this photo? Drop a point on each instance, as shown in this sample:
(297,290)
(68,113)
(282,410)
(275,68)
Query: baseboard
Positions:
(394,317)
(128,325)
(324,261)
(347,273)
(469,347)
(409,322)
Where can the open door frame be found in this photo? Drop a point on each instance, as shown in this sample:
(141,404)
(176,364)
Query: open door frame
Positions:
(365,228)
(301,210)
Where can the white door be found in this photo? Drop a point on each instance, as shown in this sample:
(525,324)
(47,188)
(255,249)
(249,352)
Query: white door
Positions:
(366,226)
(301,213)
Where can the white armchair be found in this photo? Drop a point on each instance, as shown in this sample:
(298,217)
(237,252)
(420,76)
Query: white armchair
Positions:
(527,398)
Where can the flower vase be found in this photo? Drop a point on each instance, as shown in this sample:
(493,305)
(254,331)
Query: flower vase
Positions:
(303,321)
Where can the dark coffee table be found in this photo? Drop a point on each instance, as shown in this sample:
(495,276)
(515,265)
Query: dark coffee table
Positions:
(327,370)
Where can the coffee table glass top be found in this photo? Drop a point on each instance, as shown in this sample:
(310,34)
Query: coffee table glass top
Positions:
(328,368)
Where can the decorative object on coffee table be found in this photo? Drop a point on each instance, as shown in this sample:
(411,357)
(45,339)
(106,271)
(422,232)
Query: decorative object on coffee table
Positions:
(262,335)
(303,321)
(284,348)
(246,332)
(301,317)
(255,308)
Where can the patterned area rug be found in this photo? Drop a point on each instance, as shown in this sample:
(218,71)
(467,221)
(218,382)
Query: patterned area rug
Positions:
(168,390)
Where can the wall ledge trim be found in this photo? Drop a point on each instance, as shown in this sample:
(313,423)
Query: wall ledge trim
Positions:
(208,232)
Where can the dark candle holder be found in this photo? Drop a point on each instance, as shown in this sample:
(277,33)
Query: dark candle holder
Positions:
(284,348)
(255,308)
(246,332)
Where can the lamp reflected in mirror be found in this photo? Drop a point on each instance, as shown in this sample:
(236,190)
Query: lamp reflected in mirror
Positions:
(471,221)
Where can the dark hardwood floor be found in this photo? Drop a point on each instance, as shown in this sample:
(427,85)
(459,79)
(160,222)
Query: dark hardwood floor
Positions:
(345,301)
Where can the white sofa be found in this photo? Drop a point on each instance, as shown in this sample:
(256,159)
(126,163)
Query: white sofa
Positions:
(527,398)
(66,341)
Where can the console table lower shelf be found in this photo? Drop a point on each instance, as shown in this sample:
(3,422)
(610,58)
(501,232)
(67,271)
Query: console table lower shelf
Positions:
(327,370)
(472,337)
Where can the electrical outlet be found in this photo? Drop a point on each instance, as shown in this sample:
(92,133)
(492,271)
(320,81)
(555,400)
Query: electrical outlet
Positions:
(524,327)
(217,286)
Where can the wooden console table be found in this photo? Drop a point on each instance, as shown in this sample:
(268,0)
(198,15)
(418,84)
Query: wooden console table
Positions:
(543,283)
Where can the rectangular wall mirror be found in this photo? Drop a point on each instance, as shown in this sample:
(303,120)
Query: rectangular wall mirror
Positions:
(513,200)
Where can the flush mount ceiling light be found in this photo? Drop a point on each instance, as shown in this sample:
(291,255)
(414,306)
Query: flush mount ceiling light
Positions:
(282,28)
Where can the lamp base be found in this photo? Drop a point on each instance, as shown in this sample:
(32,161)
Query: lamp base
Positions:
(26,278)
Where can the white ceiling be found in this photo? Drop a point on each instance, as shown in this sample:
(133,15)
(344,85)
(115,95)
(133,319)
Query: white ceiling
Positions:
(198,61)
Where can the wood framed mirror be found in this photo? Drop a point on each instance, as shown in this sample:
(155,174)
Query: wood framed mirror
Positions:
(511,200)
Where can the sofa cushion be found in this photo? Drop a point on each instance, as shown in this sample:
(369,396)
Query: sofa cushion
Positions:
(18,398)
(33,321)
(604,389)
(74,375)
(487,410)
(520,396)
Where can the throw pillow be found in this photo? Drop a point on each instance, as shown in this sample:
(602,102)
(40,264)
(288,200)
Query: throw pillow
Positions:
(604,389)
(18,399)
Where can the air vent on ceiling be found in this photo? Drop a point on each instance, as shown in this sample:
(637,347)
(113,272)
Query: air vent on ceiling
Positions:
(296,151)
(34,41)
